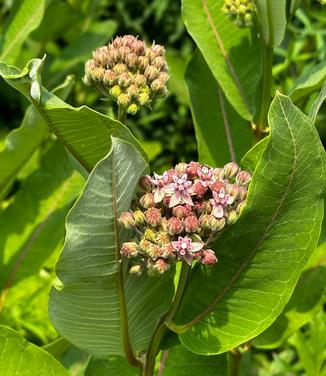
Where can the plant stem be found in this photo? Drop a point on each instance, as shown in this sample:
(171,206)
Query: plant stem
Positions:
(165,320)
(235,357)
(262,124)
(122,115)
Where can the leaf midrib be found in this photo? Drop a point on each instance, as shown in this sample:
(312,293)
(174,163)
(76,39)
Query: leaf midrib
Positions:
(218,298)
(225,55)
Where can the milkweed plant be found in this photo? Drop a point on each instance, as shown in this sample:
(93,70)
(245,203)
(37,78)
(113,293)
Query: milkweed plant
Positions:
(197,264)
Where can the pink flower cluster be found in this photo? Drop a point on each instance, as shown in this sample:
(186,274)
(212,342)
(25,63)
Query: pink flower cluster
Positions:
(179,214)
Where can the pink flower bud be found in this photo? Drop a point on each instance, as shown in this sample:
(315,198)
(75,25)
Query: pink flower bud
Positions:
(125,79)
(151,73)
(233,190)
(243,177)
(138,47)
(191,224)
(161,266)
(144,245)
(167,251)
(170,173)
(132,91)
(154,251)
(139,80)
(123,52)
(97,74)
(101,56)
(192,169)
(131,60)
(217,186)
(216,224)
(143,63)
(159,63)
(145,183)
(158,50)
(117,42)
(180,211)
(147,200)
(166,201)
(230,169)
(199,189)
(162,237)
(153,217)
(164,77)
(158,86)
(199,207)
(208,257)
(109,78)
(113,57)
(174,226)
(119,69)
(129,249)
(127,220)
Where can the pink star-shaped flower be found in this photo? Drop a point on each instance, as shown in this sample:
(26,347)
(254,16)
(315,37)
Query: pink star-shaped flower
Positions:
(219,201)
(206,175)
(179,190)
(160,182)
(186,248)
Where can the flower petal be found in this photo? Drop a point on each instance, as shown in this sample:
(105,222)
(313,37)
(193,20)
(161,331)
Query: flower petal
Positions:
(175,199)
(197,246)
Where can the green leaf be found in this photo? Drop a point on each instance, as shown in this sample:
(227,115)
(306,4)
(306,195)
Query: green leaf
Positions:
(310,82)
(232,54)
(178,361)
(112,365)
(313,112)
(85,133)
(272,18)
(222,135)
(250,160)
(21,143)
(25,17)
(33,225)
(87,306)
(305,303)
(262,255)
(19,357)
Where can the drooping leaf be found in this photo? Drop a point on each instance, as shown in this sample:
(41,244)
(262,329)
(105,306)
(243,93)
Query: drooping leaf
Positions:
(21,143)
(311,81)
(253,156)
(222,135)
(305,303)
(33,225)
(272,18)
(227,50)
(313,112)
(85,133)
(19,357)
(262,255)
(111,365)
(87,305)
(178,361)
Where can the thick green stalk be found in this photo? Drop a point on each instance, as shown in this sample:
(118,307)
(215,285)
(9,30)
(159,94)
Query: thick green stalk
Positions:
(122,115)
(235,357)
(165,320)
(262,123)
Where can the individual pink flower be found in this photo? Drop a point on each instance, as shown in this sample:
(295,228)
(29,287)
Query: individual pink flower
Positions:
(192,169)
(205,174)
(160,182)
(185,248)
(180,191)
(219,201)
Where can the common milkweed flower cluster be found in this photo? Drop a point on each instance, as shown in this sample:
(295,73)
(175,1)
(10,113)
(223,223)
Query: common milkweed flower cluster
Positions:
(240,10)
(129,71)
(178,214)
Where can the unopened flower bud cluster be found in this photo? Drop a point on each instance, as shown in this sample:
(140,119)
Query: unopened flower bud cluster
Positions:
(179,214)
(132,73)
(240,10)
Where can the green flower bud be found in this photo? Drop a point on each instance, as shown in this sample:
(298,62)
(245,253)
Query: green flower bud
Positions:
(143,63)
(133,91)
(216,224)
(132,109)
(159,63)
(127,220)
(125,79)
(123,100)
(139,217)
(232,216)
(151,73)
(97,74)
(115,91)
(119,69)
(135,269)
(143,99)
(149,234)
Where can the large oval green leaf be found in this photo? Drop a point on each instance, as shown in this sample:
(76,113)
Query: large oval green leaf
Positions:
(88,306)
(232,54)
(19,357)
(222,135)
(262,255)
(85,133)
(272,19)
(25,17)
